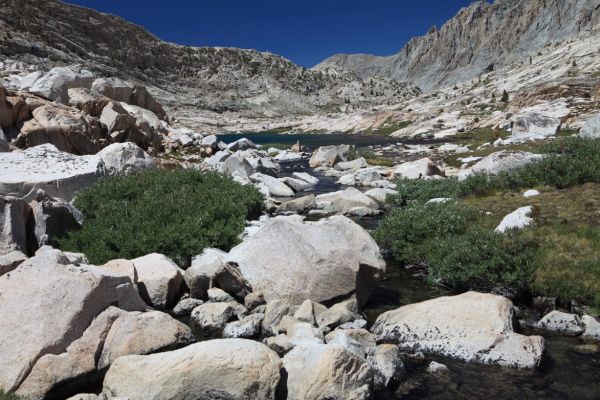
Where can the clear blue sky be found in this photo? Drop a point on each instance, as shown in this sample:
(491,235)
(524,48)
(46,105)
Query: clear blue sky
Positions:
(305,31)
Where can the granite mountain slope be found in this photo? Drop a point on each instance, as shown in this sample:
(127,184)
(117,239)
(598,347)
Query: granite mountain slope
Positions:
(480,38)
(52,33)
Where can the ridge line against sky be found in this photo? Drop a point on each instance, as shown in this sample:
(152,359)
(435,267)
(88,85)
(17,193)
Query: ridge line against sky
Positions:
(305,32)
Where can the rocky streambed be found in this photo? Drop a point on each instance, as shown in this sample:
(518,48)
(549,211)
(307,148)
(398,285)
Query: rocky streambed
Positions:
(308,294)
(569,367)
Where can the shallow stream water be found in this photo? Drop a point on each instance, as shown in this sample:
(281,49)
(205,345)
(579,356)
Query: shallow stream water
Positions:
(570,368)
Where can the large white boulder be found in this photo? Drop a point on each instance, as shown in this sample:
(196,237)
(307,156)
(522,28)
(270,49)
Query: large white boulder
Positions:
(54,85)
(565,323)
(303,176)
(241,144)
(276,187)
(236,165)
(387,366)
(15,215)
(87,101)
(349,201)
(205,268)
(318,371)
(297,260)
(160,280)
(233,369)
(592,327)
(533,125)
(210,318)
(300,204)
(298,185)
(473,327)
(328,156)
(288,156)
(123,91)
(501,161)
(380,195)
(352,165)
(125,158)
(58,173)
(417,169)
(591,129)
(112,334)
(46,299)
(66,128)
(517,219)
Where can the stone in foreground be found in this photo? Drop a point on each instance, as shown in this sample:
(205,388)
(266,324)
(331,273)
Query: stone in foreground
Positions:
(319,371)
(232,369)
(52,303)
(125,158)
(160,280)
(558,321)
(472,327)
(58,173)
(518,219)
(112,334)
(297,260)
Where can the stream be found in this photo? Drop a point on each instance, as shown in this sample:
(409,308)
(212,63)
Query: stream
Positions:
(570,368)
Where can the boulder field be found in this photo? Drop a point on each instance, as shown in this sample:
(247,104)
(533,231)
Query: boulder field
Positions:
(270,326)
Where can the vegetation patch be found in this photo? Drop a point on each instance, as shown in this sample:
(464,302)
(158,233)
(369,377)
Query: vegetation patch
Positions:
(477,137)
(558,256)
(8,396)
(568,162)
(283,129)
(372,158)
(176,213)
(567,227)
(387,128)
(456,250)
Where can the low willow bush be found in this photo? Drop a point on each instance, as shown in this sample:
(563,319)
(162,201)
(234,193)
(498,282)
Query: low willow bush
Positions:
(176,213)
(456,250)
(407,230)
(8,396)
(482,259)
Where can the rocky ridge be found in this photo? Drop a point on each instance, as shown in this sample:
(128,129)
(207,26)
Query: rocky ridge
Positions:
(480,38)
(214,79)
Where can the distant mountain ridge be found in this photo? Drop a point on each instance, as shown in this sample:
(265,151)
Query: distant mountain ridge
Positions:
(479,37)
(52,33)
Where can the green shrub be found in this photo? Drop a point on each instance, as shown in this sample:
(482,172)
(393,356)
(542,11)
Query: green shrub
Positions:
(482,259)
(176,213)
(410,190)
(571,161)
(8,396)
(406,231)
(456,249)
(424,190)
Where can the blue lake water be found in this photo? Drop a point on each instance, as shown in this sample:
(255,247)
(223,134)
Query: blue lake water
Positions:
(315,140)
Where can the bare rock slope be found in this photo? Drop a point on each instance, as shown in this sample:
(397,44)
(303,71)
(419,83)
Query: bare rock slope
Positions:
(479,38)
(52,33)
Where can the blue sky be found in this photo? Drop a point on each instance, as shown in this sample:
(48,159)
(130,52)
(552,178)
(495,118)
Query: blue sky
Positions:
(305,31)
